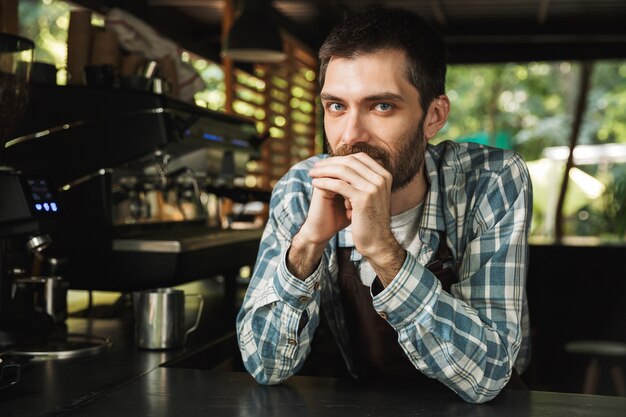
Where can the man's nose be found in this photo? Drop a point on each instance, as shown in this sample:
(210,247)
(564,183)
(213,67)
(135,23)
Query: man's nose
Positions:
(354,129)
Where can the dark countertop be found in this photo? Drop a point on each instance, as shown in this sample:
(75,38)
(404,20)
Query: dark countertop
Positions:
(186,392)
(126,381)
(53,387)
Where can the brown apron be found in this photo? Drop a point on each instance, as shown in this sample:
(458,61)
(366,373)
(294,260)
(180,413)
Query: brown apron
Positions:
(374,342)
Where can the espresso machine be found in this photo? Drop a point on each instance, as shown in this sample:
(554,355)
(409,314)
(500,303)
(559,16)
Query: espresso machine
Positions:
(20,221)
(138,176)
(120,190)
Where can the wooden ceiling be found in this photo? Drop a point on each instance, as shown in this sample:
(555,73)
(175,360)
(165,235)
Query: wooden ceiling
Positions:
(475,30)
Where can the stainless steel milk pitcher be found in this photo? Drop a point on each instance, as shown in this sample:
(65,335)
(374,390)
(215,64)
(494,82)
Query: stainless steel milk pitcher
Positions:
(160,318)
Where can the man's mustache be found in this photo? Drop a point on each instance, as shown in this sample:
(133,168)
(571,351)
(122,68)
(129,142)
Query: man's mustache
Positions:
(374,152)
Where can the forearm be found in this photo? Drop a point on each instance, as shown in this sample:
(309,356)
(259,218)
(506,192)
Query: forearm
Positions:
(447,338)
(304,256)
(272,343)
(466,354)
(272,347)
(387,263)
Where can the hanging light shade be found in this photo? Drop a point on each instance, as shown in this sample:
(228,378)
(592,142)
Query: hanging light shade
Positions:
(254,37)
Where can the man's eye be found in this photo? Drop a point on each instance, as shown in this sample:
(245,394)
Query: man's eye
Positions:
(384,107)
(335,107)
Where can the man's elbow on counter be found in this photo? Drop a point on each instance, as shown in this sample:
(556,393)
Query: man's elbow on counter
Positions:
(484,392)
(265,377)
(477,398)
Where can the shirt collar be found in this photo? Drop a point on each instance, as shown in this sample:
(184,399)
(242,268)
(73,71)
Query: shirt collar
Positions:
(432,217)
(345,238)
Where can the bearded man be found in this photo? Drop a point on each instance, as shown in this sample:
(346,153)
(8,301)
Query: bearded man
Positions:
(413,255)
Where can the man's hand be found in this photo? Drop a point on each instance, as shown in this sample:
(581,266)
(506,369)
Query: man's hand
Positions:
(366,189)
(326,217)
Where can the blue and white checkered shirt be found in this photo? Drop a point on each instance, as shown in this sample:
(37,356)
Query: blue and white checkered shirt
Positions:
(469,338)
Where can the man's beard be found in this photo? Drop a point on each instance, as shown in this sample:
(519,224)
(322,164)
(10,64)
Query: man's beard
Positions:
(406,162)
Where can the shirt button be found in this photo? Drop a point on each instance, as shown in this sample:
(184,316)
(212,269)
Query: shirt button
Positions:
(383,315)
(316,286)
(292,342)
(303,299)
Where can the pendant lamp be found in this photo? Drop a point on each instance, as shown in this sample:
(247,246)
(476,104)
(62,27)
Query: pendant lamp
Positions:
(254,36)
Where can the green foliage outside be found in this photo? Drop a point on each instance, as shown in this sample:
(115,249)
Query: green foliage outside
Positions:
(46,23)
(534,103)
(214,95)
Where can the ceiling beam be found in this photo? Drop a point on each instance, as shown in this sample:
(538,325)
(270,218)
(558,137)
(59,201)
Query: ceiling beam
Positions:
(542,11)
(439,12)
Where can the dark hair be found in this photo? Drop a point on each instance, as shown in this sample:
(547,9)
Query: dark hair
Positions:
(379,28)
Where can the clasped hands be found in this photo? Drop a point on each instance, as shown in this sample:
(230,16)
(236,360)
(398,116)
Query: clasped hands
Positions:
(352,189)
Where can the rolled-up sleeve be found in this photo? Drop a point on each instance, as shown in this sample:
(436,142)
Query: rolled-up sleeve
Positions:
(280,312)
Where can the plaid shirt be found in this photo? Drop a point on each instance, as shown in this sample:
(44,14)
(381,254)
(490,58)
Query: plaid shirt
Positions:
(469,338)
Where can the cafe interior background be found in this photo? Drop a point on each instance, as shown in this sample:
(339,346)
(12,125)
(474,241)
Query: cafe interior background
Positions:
(545,78)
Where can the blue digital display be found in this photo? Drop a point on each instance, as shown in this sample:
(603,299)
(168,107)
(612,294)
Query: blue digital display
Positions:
(214,138)
(42,198)
(49,207)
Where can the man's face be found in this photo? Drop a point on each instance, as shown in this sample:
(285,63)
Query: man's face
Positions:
(370,106)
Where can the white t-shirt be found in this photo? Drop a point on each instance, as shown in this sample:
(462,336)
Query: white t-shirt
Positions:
(404,226)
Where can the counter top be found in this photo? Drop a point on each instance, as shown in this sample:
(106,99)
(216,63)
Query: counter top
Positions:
(186,393)
(126,381)
(54,387)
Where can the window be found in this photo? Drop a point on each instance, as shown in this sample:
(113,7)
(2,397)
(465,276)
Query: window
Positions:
(528,108)
(282,98)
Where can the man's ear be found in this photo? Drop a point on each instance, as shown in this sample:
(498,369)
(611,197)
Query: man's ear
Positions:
(436,116)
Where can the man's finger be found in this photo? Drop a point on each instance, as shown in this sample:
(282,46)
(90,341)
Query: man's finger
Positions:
(371,163)
(361,164)
(336,186)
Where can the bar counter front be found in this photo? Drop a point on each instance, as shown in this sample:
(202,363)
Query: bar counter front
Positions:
(192,381)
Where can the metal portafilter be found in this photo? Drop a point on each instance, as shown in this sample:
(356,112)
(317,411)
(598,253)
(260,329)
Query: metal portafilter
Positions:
(36,245)
(42,291)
